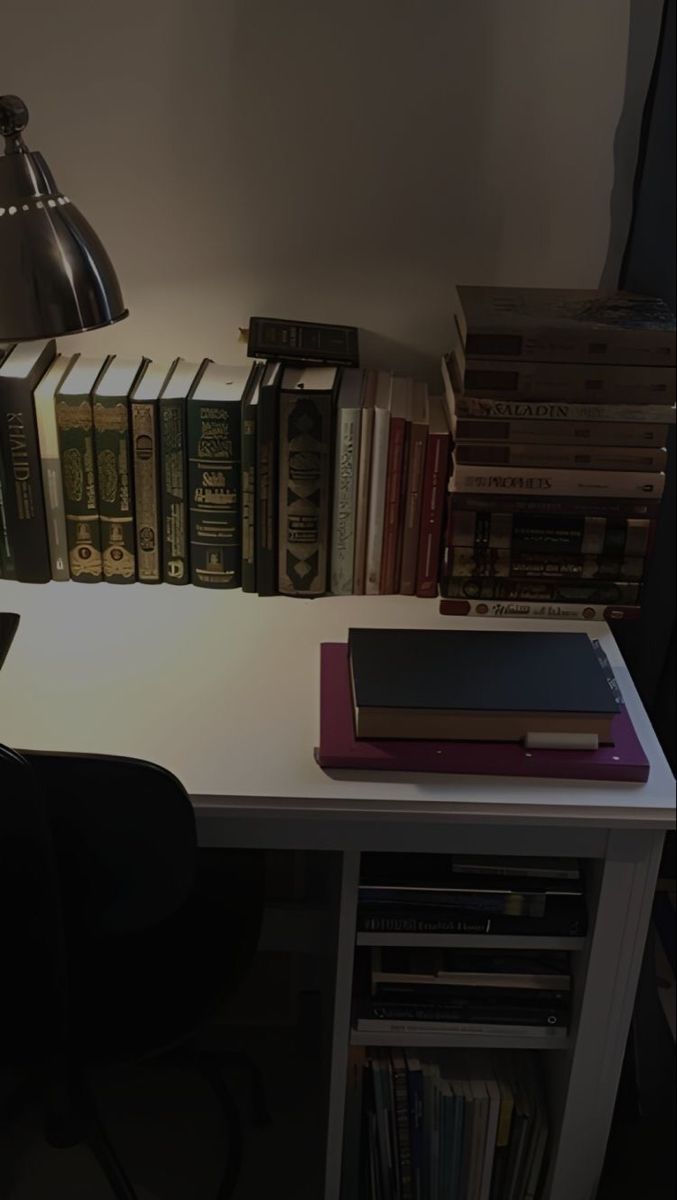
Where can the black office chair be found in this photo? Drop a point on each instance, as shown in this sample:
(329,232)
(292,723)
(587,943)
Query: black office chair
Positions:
(126,936)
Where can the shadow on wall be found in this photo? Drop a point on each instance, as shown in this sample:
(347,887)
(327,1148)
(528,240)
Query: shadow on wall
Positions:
(645,21)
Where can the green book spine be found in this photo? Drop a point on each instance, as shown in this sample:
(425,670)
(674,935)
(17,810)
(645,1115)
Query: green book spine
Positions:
(174,489)
(78,467)
(145,458)
(114,480)
(214,484)
(248,498)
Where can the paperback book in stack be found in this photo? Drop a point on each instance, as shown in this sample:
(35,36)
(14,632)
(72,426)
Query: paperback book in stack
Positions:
(561,404)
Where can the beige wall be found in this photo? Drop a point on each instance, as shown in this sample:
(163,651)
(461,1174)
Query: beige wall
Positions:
(324,160)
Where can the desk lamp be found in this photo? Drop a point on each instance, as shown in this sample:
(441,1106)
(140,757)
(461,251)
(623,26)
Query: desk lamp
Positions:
(55,276)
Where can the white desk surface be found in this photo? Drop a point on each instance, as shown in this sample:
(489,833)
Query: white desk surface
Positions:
(222,689)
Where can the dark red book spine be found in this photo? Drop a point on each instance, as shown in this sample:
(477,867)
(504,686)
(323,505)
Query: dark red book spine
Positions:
(393,498)
(435,478)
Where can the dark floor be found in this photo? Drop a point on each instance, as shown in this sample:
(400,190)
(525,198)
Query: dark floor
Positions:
(171,1136)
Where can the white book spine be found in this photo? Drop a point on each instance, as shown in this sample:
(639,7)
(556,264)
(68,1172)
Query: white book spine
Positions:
(345,501)
(377,491)
(50,465)
(550,410)
(538,482)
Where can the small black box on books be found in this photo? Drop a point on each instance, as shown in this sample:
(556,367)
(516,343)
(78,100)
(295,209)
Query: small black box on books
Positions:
(303,341)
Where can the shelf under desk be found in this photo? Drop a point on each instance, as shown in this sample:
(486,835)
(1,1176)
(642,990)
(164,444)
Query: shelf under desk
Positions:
(222,689)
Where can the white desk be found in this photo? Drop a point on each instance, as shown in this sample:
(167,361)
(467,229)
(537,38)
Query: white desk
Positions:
(223,690)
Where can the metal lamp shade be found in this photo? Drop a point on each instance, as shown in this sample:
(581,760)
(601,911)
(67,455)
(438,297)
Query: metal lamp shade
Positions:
(55,276)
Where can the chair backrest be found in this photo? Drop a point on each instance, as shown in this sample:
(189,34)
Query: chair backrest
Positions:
(8,626)
(33,989)
(123,832)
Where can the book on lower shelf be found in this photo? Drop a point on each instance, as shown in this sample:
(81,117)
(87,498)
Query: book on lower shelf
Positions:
(428,1124)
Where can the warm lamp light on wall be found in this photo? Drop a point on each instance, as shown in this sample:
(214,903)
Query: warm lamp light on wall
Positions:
(55,276)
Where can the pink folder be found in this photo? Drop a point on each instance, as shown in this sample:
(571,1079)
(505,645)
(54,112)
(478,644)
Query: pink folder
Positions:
(339,749)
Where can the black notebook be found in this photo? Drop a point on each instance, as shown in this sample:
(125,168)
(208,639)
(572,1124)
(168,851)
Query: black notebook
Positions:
(482,685)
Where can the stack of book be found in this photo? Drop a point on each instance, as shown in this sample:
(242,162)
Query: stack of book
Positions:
(434,894)
(476,991)
(444,1125)
(277,477)
(561,403)
(487,702)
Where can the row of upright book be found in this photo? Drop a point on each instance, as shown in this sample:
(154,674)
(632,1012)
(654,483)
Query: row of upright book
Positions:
(561,406)
(274,477)
(445,1125)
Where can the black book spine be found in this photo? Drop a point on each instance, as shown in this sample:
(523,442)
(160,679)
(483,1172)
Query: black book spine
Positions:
(249,450)
(22,510)
(573,924)
(174,490)
(305,467)
(214,483)
(78,466)
(267,489)
(475,1014)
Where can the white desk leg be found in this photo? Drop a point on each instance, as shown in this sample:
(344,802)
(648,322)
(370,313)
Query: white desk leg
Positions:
(628,882)
(345,956)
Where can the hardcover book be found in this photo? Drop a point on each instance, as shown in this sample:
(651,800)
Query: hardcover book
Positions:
(620,507)
(346,461)
(26,545)
(565,325)
(504,406)
(377,482)
(110,408)
(491,685)
(400,414)
(540,610)
(303,341)
(415,458)
(569,382)
(306,419)
(466,561)
(174,384)
(560,433)
(544,591)
(44,398)
(143,410)
(340,749)
(433,497)
(543,534)
(267,475)
(78,464)
(546,411)
(536,480)
(250,408)
(364,482)
(592,458)
(215,493)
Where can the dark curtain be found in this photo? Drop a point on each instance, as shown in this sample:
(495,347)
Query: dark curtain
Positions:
(649,266)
